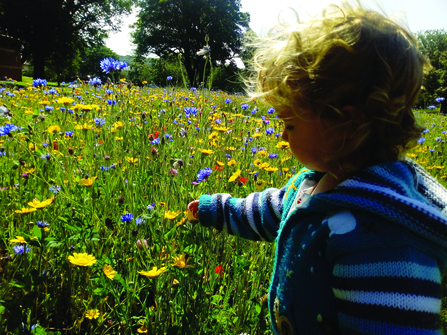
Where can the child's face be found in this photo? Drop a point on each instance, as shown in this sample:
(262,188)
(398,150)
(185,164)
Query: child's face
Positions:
(307,142)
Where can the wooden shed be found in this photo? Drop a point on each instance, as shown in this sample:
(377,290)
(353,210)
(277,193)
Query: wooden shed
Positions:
(10,58)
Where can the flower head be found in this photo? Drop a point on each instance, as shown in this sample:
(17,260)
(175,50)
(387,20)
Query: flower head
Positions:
(7,128)
(41,204)
(92,314)
(181,262)
(82,259)
(18,239)
(203,174)
(87,182)
(108,271)
(127,217)
(153,273)
(20,249)
(25,210)
(170,215)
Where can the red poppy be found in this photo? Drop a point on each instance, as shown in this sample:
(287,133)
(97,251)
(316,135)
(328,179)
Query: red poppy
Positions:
(219,269)
(243,180)
(55,146)
(101,142)
(218,168)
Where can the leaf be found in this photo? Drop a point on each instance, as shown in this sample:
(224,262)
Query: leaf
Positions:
(37,232)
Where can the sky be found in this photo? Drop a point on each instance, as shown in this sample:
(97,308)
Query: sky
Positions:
(418,15)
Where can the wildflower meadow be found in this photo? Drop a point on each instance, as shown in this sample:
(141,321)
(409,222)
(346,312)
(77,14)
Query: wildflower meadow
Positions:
(94,183)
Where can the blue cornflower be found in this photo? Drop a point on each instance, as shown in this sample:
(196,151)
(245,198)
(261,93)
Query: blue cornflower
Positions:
(269,131)
(49,108)
(254,150)
(425,131)
(273,156)
(168,136)
(94,81)
(271,110)
(69,133)
(193,89)
(432,150)
(107,65)
(120,65)
(52,91)
(431,107)
(203,174)
(2,153)
(56,189)
(99,121)
(156,141)
(438,139)
(39,82)
(111,102)
(169,78)
(127,217)
(63,109)
(20,249)
(440,99)
(444,131)
(42,224)
(277,134)
(7,128)
(139,221)
(262,149)
(228,101)
(217,121)
(151,207)
(110,91)
(421,140)
(228,156)
(244,106)
(104,168)
(254,111)
(45,144)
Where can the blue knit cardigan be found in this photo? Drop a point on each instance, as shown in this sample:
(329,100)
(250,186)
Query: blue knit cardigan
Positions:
(364,258)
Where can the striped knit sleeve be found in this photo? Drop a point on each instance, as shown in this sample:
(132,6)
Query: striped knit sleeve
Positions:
(397,296)
(255,217)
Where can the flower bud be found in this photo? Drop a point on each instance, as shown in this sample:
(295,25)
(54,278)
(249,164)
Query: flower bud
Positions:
(141,244)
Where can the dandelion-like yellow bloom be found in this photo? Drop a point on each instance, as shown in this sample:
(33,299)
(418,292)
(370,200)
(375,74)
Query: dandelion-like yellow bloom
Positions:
(82,259)
(175,282)
(262,153)
(235,176)
(207,152)
(256,135)
(232,162)
(142,330)
(117,138)
(18,239)
(220,163)
(84,126)
(132,160)
(285,159)
(87,182)
(41,204)
(282,145)
(170,215)
(271,169)
(153,273)
(263,166)
(44,102)
(181,262)
(214,134)
(54,129)
(65,100)
(230,148)
(222,129)
(25,210)
(29,171)
(181,222)
(32,146)
(92,314)
(259,185)
(108,271)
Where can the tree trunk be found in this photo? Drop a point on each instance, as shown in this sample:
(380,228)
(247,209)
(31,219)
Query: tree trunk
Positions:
(39,64)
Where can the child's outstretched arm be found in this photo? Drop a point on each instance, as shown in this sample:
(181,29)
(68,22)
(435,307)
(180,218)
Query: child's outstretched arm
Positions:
(256,217)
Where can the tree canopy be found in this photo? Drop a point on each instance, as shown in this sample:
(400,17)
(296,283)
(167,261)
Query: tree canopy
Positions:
(56,29)
(178,27)
(434,44)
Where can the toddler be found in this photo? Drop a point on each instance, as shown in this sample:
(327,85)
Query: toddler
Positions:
(361,231)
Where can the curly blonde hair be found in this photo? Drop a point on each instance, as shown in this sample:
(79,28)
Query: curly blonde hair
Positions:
(345,56)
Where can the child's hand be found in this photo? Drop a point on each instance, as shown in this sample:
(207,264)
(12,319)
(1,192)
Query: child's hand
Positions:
(192,211)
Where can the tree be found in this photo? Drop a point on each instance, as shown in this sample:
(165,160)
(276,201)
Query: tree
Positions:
(55,29)
(171,27)
(91,59)
(434,44)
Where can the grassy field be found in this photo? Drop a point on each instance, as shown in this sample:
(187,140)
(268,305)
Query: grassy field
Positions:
(94,182)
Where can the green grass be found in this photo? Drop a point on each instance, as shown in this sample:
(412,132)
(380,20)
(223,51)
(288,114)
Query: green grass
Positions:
(26,81)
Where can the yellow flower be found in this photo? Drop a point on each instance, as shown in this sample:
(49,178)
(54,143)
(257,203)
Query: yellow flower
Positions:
(259,185)
(230,148)
(25,210)
(264,165)
(54,129)
(256,135)
(92,314)
(118,138)
(44,102)
(257,162)
(82,259)
(153,273)
(65,100)
(271,169)
(84,126)
(411,155)
(231,163)
(171,215)
(144,82)
(175,282)
(220,163)
(282,145)
(182,221)
(214,134)
(181,262)
(235,176)
(30,170)
(87,182)
(262,153)
(132,160)
(108,271)
(207,151)
(285,169)
(162,204)
(222,129)
(18,239)
(285,159)
(41,204)
(142,330)
(32,147)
